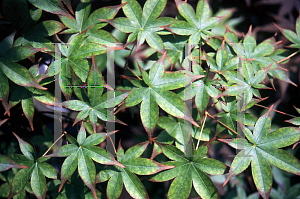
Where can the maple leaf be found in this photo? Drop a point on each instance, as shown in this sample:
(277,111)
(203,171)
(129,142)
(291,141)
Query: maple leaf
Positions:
(142,25)
(262,148)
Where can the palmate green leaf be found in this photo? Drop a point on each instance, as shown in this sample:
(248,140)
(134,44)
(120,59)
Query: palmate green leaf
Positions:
(257,57)
(292,36)
(74,56)
(35,170)
(189,170)
(249,86)
(94,104)
(81,154)
(197,24)
(142,24)
(199,90)
(156,92)
(263,148)
(116,175)
(84,20)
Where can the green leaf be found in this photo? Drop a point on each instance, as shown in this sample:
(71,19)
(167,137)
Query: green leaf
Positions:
(48,170)
(4,90)
(44,29)
(53,6)
(143,166)
(282,160)
(95,82)
(28,108)
(149,112)
(115,185)
(135,151)
(108,12)
(203,184)
(198,23)
(19,74)
(82,13)
(6,163)
(181,186)
(87,171)
(68,168)
(188,171)
(142,24)
(7,43)
(262,175)
(20,180)
(38,183)
(133,185)
(133,164)
(264,149)
(76,105)
(26,148)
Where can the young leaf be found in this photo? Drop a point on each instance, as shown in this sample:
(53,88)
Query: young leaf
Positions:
(142,25)
(189,170)
(156,91)
(263,149)
(35,170)
(94,106)
(134,164)
(197,25)
(80,154)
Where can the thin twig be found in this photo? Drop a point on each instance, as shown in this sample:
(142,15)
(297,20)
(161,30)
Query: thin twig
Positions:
(113,144)
(288,57)
(64,133)
(126,63)
(275,110)
(222,123)
(133,73)
(201,130)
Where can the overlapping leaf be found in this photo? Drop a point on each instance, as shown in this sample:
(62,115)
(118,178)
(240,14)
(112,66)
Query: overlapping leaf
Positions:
(94,104)
(249,84)
(229,116)
(180,131)
(85,20)
(75,188)
(80,154)
(142,25)
(262,148)
(199,90)
(154,91)
(117,176)
(191,168)
(25,95)
(36,169)
(198,24)
(14,71)
(255,56)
